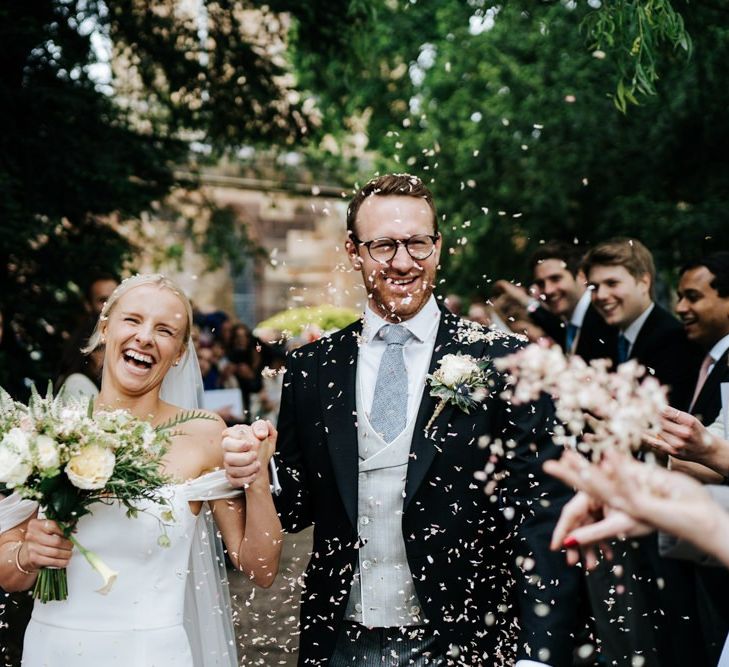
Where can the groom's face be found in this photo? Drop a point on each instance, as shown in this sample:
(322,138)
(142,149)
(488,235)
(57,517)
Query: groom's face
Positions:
(397,289)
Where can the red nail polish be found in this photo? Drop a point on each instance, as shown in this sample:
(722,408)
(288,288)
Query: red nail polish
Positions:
(570,542)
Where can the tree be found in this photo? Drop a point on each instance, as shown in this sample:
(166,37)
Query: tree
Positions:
(75,149)
(513,121)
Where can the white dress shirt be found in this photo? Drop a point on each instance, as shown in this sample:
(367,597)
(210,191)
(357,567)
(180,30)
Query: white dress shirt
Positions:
(715,352)
(633,329)
(578,314)
(417,353)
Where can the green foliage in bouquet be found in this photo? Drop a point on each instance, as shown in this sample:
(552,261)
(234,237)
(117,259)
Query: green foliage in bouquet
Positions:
(60,454)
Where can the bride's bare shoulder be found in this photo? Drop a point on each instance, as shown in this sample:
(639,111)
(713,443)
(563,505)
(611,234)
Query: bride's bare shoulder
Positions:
(198,439)
(201,425)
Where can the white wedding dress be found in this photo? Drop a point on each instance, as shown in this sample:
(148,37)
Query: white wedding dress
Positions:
(142,620)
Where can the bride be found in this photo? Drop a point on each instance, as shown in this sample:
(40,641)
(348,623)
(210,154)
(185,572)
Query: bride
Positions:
(161,591)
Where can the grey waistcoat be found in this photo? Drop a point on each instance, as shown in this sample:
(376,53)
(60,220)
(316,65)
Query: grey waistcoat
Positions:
(383,594)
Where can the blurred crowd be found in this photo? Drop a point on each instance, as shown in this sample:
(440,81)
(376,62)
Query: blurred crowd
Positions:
(232,357)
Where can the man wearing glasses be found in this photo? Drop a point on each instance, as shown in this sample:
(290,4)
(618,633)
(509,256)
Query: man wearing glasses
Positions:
(413,564)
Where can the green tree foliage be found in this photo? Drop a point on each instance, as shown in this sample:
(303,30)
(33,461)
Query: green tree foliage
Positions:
(512,118)
(636,34)
(74,150)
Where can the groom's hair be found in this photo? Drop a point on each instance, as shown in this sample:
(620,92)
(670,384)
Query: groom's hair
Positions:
(390,184)
(629,253)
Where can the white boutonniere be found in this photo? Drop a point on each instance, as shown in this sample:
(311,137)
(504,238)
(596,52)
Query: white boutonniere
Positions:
(461,380)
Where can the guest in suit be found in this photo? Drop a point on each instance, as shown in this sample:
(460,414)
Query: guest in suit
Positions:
(561,303)
(703,307)
(622,274)
(660,607)
(412,562)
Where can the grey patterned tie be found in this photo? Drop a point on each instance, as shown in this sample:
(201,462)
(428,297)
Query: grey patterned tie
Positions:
(390,404)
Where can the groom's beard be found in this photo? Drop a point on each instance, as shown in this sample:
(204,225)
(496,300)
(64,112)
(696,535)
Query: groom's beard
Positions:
(397,296)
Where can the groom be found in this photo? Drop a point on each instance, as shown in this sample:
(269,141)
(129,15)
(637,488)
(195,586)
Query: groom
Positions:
(413,563)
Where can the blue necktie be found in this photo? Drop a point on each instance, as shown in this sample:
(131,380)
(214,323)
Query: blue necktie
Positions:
(572,330)
(390,403)
(623,347)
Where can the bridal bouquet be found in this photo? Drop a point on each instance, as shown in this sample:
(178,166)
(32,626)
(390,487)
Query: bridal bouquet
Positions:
(67,458)
(617,407)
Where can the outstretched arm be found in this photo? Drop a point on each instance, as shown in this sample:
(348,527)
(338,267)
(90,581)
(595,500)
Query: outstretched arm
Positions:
(650,496)
(249,525)
(684,437)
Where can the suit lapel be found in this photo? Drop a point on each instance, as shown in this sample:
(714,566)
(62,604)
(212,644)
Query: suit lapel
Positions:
(425,445)
(338,372)
(644,335)
(712,386)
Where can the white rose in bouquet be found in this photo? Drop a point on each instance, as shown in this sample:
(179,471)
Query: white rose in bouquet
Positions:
(455,369)
(91,468)
(46,453)
(15,464)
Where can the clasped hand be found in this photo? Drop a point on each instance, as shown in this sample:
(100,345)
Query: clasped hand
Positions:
(247,451)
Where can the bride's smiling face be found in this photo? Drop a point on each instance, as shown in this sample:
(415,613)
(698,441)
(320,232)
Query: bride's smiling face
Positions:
(144,336)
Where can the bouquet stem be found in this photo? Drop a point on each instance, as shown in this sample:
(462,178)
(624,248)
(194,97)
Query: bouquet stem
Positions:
(51,585)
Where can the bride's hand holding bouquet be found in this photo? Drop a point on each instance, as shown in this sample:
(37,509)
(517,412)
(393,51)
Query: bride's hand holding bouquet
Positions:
(66,458)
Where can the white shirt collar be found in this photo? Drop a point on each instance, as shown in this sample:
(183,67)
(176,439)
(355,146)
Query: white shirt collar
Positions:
(422,325)
(578,314)
(631,333)
(719,348)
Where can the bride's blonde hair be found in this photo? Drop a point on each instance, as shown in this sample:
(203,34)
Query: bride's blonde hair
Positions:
(156,279)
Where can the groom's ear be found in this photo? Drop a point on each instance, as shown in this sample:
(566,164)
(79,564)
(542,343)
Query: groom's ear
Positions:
(354,259)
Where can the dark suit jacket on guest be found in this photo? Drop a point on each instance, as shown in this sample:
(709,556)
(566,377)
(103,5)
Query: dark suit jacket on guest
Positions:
(597,339)
(708,402)
(462,546)
(712,583)
(662,347)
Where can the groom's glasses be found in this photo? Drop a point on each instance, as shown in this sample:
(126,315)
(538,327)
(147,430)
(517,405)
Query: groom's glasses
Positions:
(383,250)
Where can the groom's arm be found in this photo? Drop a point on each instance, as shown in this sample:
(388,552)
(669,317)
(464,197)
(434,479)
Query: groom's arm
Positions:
(293,502)
(547,588)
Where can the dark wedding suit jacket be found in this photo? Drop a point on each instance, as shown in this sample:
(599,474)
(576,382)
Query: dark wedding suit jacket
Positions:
(708,402)
(462,545)
(662,347)
(597,340)
(712,583)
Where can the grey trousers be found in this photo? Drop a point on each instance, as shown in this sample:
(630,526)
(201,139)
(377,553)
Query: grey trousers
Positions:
(375,647)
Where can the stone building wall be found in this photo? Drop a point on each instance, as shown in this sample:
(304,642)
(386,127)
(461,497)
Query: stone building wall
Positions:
(303,263)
